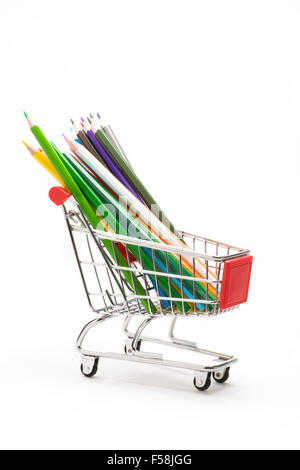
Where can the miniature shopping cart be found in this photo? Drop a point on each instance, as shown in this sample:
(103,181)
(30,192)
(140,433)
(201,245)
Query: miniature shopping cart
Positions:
(110,295)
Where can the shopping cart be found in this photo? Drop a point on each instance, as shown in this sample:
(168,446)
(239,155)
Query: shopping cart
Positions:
(110,295)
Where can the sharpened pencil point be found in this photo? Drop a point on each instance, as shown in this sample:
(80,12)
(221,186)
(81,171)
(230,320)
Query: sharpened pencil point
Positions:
(70,143)
(29,121)
(66,139)
(29,148)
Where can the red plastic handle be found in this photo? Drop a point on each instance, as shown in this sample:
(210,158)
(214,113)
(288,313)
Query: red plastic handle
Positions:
(59,195)
(235,283)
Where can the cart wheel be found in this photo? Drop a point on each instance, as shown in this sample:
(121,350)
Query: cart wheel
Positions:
(205,385)
(138,346)
(221,375)
(93,371)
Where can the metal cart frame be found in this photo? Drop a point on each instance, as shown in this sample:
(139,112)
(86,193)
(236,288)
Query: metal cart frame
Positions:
(117,298)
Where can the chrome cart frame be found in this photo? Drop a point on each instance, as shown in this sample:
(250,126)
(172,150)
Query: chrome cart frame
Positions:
(110,296)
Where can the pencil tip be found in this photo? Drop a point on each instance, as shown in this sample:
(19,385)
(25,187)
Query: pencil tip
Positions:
(29,121)
(66,138)
(29,148)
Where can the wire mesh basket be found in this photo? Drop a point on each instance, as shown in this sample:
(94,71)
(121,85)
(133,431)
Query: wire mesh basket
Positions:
(108,291)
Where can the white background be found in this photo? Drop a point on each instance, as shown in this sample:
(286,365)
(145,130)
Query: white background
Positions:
(205,98)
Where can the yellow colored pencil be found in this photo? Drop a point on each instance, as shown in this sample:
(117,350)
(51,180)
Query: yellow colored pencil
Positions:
(43,160)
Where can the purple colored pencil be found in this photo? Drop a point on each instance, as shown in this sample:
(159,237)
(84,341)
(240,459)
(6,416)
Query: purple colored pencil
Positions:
(111,164)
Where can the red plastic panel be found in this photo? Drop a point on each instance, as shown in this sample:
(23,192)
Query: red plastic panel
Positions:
(58,195)
(235,284)
(123,252)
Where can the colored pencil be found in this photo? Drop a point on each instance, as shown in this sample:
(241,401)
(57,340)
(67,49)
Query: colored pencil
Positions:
(113,138)
(42,159)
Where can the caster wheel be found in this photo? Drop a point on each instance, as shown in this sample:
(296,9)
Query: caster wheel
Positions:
(138,347)
(205,385)
(221,375)
(93,371)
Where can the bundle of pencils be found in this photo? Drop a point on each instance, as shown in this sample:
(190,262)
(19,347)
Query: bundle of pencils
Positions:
(98,174)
